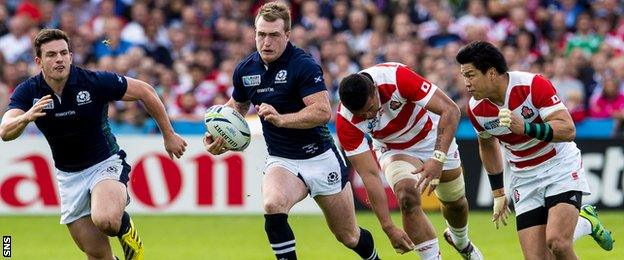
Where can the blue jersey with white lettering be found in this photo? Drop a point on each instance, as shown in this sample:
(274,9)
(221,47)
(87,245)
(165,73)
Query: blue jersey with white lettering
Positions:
(76,123)
(283,84)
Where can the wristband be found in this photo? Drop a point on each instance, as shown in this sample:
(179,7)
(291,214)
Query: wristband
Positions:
(496,180)
(540,131)
(439,156)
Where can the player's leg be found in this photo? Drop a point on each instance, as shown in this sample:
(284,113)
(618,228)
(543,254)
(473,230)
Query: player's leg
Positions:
(109,198)
(339,213)
(399,169)
(531,226)
(563,211)
(90,240)
(281,190)
(452,195)
(75,213)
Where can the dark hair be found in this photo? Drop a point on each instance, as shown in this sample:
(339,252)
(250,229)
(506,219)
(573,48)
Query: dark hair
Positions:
(354,91)
(483,55)
(47,35)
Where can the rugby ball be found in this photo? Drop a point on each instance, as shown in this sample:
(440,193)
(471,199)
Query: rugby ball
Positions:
(224,121)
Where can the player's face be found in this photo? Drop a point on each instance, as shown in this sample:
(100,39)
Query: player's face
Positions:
(475,81)
(371,108)
(271,39)
(55,60)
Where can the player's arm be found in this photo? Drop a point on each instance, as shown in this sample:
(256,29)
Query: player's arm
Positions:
(317,112)
(449,113)
(139,90)
(15,120)
(489,151)
(365,164)
(562,125)
(241,107)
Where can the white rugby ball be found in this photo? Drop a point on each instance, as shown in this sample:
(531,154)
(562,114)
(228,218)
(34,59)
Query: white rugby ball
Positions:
(226,122)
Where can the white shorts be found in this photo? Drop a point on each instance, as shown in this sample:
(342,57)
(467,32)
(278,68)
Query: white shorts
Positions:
(552,178)
(75,187)
(424,151)
(324,174)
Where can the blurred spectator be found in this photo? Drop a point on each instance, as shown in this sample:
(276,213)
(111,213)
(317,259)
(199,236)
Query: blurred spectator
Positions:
(584,38)
(111,44)
(17,42)
(610,102)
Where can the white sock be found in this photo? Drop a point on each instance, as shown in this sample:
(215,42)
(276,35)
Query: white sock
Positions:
(459,236)
(429,250)
(583,227)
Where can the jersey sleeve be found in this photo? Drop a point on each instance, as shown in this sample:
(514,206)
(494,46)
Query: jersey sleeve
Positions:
(239,94)
(351,139)
(111,86)
(22,98)
(544,96)
(310,78)
(414,87)
(476,126)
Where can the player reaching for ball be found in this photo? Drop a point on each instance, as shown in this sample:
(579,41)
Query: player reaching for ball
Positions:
(523,112)
(69,104)
(287,87)
(410,120)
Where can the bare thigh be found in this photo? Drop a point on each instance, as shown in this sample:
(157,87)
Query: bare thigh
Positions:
(108,201)
(281,190)
(533,243)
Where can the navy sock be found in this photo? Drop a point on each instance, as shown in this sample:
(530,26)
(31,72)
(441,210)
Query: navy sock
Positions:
(280,236)
(366,246)
(125,224)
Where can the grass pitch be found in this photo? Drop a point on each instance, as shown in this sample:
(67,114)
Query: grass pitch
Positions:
(243,237)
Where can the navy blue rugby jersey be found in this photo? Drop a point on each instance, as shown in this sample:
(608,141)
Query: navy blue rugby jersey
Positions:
(76,123)
(283,84)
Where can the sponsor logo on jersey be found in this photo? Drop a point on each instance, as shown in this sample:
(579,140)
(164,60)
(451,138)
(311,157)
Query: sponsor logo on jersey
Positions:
(491,124)
(527,112)
(83,98)
(281,76)
(251,80)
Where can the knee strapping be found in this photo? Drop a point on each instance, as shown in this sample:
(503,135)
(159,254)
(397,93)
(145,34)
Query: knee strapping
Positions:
(452,190)
(398,170)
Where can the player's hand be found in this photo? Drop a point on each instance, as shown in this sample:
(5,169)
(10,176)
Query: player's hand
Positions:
(430,176)
(213,146)
(508,119)
(400,240)
(175,145)
(36,111)
(269,114)
(501,211)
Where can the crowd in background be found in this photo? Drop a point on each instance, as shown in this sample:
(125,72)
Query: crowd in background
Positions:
(188,49)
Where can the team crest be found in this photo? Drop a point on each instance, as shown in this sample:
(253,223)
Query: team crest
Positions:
(394,105)
(333,178)
(527,112)
(83,98)
(281,76)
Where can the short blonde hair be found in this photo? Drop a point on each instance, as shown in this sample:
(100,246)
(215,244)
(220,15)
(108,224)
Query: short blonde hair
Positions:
(273,11)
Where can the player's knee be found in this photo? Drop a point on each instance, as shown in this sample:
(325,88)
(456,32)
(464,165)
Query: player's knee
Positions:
(559,244)
(275,206)
(399,170)
(349,239)
(107,223)
(451,191)
(408,200)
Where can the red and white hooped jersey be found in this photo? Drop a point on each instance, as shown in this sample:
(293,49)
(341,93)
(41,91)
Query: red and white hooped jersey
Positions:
(402,120)
(532,98)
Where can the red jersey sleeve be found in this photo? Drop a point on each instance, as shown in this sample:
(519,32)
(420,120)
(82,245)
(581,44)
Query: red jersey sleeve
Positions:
(350,137)
(544,96)
(414,87)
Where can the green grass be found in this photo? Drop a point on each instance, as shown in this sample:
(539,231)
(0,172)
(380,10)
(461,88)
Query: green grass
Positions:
(243,237)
